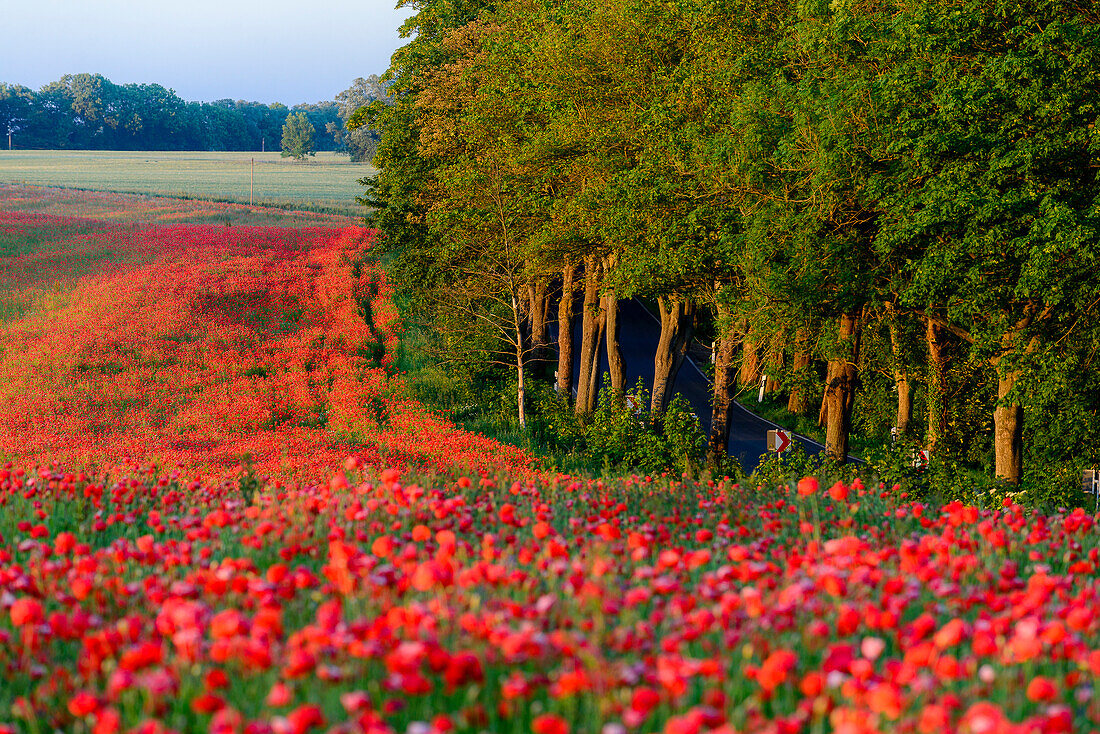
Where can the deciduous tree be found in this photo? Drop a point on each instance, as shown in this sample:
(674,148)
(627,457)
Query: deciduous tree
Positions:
(297,141)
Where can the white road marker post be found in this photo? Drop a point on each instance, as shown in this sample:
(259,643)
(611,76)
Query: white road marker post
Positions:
(1090,484)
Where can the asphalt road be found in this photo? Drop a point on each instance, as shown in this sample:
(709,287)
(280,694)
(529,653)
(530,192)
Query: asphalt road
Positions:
(639,334)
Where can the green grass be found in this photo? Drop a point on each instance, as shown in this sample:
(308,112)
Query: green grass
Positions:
(328,182)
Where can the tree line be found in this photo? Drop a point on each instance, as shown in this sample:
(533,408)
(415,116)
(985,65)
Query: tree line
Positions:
(891,207)
(90,112)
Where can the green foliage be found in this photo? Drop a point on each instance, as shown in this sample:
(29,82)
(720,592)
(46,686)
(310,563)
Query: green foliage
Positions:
(779,165)
(622,435)
(790,466)
(354,134)
(297,139)
(555,424)
(90,112)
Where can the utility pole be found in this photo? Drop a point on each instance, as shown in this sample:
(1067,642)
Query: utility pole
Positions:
(263,145)
(251,180)
(9,138)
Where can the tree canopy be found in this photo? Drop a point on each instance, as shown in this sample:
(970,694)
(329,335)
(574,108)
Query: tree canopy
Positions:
(297,140)
(90,112)
(858,197)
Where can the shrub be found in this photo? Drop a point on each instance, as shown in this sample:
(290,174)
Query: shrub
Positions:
(623,433)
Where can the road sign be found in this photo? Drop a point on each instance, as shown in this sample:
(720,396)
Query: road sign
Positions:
(779,441)
(920,458)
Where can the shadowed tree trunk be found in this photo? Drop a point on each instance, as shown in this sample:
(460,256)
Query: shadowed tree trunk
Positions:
(565,332)
(677,327)
(750,359)
(840,388)
(722,397)
(590,327)
(901,380)
(798,401)
(538,308)
(1008,415)
(615,364)
(935,338)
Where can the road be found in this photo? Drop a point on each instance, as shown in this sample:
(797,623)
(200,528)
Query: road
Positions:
(639,334)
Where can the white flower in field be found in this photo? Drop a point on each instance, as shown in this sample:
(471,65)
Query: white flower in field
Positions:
(872,647)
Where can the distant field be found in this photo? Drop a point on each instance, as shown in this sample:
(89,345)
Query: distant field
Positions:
(327,182)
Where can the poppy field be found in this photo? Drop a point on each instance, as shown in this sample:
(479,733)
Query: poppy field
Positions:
(203,346)
(220,512)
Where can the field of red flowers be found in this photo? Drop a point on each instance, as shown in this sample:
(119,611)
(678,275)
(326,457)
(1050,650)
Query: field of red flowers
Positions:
(199,346)
(373,569)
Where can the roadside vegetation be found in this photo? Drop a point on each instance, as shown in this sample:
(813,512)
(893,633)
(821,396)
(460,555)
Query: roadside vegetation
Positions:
(888,209)
(620,436)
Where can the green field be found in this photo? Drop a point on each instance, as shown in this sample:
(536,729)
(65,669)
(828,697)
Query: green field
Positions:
(327,182)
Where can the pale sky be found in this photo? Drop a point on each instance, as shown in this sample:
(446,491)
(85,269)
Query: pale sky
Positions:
(288,51)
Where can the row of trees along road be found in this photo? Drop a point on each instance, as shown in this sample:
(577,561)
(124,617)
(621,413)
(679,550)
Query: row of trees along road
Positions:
(90,112)
(853,195)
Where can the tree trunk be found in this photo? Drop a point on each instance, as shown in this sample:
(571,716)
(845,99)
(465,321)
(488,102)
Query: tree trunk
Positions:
(937,386)
(1008,431)
(904,386)
(590,325)
(538,308)
(840,389)
(799,401)
(615,364)
(594,382)
(677,327)
(722,397)
(750,360)
(521,387)
(1008,416)
(565,332)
